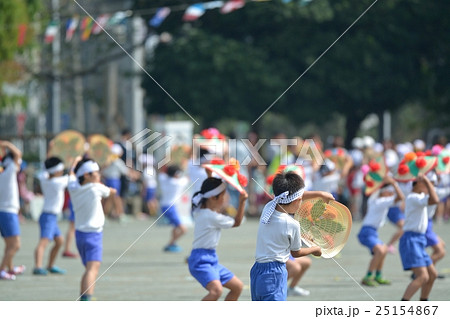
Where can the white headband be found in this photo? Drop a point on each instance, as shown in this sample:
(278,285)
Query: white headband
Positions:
(214,192)
(87,167)
(283,198)
(56,168)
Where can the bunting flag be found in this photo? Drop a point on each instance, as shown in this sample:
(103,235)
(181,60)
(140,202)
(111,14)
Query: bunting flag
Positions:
(86,28)
(194,12)
(51,32)
(118,18)
(22,34)
(71,26)
(232,5)
(213,5)
(160,15)
(100,23)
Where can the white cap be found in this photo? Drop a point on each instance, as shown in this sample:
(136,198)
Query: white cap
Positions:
(358,142)
(378,147)
(116,149)
(419,144)
(369,141)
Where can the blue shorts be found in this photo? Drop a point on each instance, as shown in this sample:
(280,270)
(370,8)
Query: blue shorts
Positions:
(431,236)
(171,214)
(90,246)
(412,250)
(114,183)
(395,214)
(49,226)
(204,266)
(268,281)
(9,225)
(368,236)
(72,213)
(150,194)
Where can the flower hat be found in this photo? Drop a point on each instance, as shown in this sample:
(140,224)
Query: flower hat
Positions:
(413,164)
(284,168)
(228,172)
(374,174)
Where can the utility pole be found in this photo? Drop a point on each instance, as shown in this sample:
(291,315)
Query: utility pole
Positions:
(56,85)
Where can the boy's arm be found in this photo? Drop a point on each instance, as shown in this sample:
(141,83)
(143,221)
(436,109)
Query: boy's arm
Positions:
(17,154)
(315,250)
(434,199)
(240,211)
(314,194)
(398,191)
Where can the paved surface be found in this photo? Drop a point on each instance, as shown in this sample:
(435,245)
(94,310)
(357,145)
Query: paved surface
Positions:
(145,272)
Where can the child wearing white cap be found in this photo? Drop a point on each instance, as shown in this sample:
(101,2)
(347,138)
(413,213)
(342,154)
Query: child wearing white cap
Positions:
(53,184)
(9,210)
(86,193)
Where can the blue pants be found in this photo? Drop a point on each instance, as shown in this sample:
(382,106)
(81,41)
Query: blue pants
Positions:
(204,266)
(268,281)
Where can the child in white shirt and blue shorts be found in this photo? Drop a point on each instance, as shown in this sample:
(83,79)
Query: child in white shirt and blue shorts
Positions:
(86,195)
(412,244)
(203,261)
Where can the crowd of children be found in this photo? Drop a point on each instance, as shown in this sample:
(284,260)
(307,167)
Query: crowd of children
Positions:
(339,174)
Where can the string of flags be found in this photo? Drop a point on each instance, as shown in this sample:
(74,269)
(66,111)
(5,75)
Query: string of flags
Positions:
(89,26)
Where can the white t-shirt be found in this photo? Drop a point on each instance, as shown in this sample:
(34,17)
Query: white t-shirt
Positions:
(377,209)
(416,213)
(53,190)
(276,239)
(406,188)
(441,192)
(87,205)
(171,188)
(9,190)
(149,177)
(197,174)
(208,225)
(328,183)
(116,169)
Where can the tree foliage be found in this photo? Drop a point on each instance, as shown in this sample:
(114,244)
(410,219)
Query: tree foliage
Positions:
(237,65)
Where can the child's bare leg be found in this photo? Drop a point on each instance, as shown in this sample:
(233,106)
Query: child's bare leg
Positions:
(177,232)
(421,278)
(426,288)
(69,236)
(379,254)
(118,205)
(89,277)
(438,252)
(214,291)
(12,245)
(302,265)
(39,252)
(235,285)
(59,241)
(398,233)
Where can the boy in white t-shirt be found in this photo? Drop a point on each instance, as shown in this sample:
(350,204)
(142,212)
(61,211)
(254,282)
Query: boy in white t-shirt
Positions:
(9,210)
(172,185)
(278,236)
(413,242)
(86,195)
(377,209)
(53,184)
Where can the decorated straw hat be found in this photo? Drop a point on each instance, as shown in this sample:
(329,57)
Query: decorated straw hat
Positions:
(414,164)
(337,155)
(284,168)
(375,174)
(443,162)
(228,172)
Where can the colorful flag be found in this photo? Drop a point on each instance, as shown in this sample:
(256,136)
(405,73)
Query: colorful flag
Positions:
(160,15)
(213,5)
(22,34)
(194,12)
(232,5)
(86,28)
(100,23)
(71,26)
(51,32)
(118,17)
